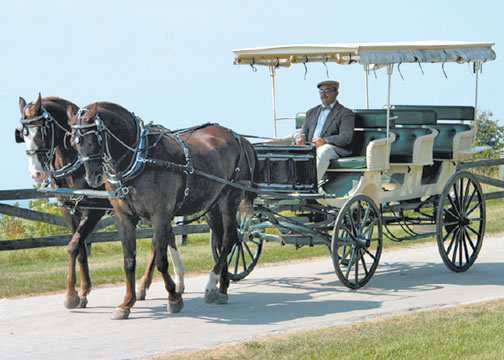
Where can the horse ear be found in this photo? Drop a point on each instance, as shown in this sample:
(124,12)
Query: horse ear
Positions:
(38,104)
(94,111)
(70,114)
(22,104)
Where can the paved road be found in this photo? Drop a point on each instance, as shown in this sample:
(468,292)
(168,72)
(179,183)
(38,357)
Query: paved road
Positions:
(272,300)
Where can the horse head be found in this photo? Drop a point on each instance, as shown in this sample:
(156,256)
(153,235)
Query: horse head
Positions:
(87,139)
(33,132)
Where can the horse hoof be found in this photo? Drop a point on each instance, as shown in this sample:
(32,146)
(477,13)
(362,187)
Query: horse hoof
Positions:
(140,294)
(211,296)
(120,314)
(83,302)
(175,306)
(72,302)
(222,298)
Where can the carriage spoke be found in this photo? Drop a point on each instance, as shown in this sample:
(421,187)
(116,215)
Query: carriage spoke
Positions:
(449,211)
(452,241)
(465,240)
(231,253)
(245,245)
(357,270)
(455,248)
(372,256)
(448,233)
(477,205)
(477,233)
(347,273)
(243,258)
(237,261)
(469,200)
(364,220)
(466,192)
(461,243)
(455,201)
(364,264)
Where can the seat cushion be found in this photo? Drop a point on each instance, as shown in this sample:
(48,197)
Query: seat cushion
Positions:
(351,162)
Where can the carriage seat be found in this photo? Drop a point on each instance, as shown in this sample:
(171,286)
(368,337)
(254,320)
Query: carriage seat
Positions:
(454,141)
(414,141)
(370,150)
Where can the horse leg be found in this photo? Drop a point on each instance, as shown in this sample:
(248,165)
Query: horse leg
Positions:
(226,212)
(163,236)
(215,222)
(127,233)
(146,280)
(86,226)
(178,268)
(71,296)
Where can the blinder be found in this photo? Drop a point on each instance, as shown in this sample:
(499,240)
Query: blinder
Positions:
(18,135)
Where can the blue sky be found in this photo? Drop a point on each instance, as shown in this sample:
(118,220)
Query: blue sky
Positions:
(171,61)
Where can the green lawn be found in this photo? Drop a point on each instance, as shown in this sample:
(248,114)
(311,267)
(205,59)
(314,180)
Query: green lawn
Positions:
(458,333)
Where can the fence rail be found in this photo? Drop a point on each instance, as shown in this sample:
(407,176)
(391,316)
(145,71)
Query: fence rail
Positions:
(63,240)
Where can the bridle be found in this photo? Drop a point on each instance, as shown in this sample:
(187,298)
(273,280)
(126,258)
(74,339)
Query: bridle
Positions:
(103,135)
(46,123)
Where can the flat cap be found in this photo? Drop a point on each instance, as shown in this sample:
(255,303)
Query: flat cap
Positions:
(331,83)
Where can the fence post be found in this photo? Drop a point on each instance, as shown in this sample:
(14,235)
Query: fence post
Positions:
(501,167)
(180,240)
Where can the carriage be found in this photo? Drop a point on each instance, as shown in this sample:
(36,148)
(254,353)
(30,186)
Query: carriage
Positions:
(403,181)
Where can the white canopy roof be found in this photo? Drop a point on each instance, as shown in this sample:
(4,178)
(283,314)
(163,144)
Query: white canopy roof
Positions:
(368,53)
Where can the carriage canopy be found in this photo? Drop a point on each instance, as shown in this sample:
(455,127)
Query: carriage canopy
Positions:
(368,54)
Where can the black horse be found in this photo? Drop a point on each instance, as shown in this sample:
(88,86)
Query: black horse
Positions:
(45,132)
(162,174)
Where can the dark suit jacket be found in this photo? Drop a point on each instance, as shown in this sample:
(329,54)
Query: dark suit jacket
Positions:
(338,129)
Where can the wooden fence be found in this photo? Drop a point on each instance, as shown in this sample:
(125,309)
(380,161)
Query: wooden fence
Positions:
(63,240)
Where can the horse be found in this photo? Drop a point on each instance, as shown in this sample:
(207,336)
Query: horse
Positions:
(44,130)
(162,174)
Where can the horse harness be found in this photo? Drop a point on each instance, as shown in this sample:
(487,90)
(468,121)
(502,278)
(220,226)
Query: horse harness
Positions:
(140,157)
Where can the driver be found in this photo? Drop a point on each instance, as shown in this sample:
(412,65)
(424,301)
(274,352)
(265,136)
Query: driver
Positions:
(329,126)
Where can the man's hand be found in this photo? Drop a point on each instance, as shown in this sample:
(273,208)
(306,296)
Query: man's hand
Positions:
(318,141)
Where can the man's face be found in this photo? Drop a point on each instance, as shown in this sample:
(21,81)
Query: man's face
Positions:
(328,94)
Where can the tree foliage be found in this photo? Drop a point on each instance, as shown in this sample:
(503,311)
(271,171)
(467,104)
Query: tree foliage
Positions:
(491,134)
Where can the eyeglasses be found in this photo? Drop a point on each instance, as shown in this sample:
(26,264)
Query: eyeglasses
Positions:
(326,90)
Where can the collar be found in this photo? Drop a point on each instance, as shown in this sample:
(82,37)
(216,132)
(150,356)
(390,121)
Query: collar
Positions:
(330,107)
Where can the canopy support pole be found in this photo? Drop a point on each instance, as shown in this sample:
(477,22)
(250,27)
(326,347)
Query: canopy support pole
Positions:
(390,69)
(272,74)
(477,67)
(366,69)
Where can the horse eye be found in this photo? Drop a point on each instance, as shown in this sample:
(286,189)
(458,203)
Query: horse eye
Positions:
(25,131)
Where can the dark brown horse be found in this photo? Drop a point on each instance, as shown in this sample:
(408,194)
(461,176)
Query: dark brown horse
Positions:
(45,132)
(161,175)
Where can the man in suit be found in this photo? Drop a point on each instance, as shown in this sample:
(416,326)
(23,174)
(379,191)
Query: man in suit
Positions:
(330,127)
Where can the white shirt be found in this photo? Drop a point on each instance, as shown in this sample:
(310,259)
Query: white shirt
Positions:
(321,120)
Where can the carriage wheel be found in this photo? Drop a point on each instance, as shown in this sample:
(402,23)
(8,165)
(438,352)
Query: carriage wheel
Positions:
(245,254)
(460,221)
(357,241)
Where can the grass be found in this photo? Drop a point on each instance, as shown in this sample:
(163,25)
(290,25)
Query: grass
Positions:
(43,270)
(461,332)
